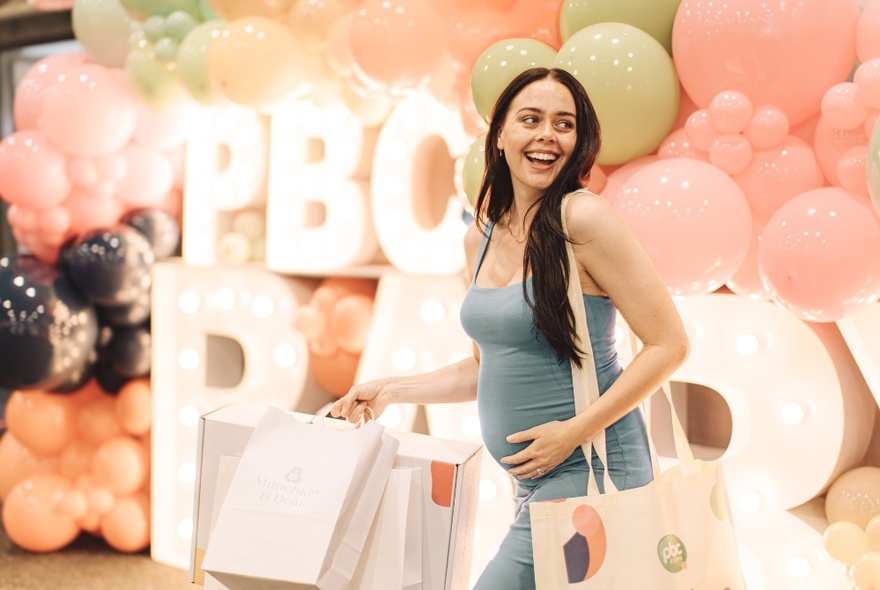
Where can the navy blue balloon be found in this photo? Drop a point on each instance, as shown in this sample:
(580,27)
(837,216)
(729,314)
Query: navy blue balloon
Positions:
(48,328)
(110,380)
(159,227)
(132,314)
(129,351)
(111,266)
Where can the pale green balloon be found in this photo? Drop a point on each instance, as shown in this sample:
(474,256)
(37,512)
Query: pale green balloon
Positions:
(473,168)
(500,63)
(632,84)
(655,17)
(873,168)
(141,9)
(192,62)
(102,27)
(156,82)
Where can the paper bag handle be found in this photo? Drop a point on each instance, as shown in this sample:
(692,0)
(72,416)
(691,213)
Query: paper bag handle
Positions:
(585,381)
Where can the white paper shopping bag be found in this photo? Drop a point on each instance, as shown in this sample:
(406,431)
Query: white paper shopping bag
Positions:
(392,556)
(299,507)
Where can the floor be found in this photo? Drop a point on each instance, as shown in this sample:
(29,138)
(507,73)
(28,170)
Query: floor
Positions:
(87,564)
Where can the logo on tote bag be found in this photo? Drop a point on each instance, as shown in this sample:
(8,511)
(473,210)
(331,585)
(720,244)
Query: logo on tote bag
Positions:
(672,553)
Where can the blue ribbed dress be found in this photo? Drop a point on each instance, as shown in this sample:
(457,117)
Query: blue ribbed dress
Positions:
(522,384)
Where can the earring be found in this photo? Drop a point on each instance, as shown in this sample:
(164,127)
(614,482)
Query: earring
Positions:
(501,153)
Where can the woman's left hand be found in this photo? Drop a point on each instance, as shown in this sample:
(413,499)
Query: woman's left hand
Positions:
(551,444)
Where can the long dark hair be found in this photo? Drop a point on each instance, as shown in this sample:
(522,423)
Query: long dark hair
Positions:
(545,254)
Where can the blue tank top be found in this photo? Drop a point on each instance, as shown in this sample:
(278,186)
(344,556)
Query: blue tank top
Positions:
(521,382)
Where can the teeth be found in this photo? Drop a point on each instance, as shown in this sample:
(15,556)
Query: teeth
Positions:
(542,157)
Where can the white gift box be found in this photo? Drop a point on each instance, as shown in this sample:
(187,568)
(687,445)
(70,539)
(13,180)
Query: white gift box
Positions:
(449,472)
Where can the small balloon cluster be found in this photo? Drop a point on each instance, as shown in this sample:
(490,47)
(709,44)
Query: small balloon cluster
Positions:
(77,462)
(852,506)
(336,323)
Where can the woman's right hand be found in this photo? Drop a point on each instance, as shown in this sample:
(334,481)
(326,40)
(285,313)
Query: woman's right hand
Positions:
(353,405)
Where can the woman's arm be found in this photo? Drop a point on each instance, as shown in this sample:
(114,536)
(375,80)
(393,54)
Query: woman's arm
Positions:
(612,263)
(454,383)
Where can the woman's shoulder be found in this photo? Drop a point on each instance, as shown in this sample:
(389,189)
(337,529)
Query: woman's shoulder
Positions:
(585,211)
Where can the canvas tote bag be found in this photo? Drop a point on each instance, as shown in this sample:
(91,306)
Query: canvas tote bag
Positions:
(675,533)
(300,505)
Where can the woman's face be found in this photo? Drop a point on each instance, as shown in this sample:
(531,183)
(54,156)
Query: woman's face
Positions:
(538,136)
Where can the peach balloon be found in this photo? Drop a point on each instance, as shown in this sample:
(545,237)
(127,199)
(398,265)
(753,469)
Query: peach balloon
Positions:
(335,373)
(678,144)
(148,177)
(746,281)
(97,420)
(87,112)
(865,571)
(19,462)
(134,407)
(854,496)
(44,422)
(120,465)
(872,531)
(618,177)
(867,81)
(89,212)
(841,108)
(764,49)
(239,9)
(126,527)
(397,43)
(161,131)
(731,153)
(812,255)
(33,171)
(776,175)
(851,169)
(256,62)
(76,459)
(693,220)
(830,144)
(767,128)
(311,22)
(700,129)
(844,541)
(32,514)
(349,323)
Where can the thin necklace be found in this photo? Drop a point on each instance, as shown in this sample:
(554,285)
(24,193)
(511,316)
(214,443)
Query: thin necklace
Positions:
(513,235)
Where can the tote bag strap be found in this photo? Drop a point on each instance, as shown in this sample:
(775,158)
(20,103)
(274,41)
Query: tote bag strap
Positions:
(585,381)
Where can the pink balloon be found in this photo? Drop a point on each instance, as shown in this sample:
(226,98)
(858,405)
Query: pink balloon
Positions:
(397,43)
(160,131)
(87,112)
(693,220)
(730,152)
(97,420)
(28,101)
(841,107)
(730,111)
(54,224)
(815,257)
(618,177)
(867,81)
(33,171)
(76,459)
(33,514)
(89,212)
(746,281)
(678,144)
(700,130)
(148,178)
(851,171)
(349,322)
(134,407)
(868,32)
(777,175)
(765,49)
(767,128)
(44,422)
(830,144)
(19,462)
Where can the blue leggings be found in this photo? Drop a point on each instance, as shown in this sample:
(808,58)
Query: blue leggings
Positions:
(513,568)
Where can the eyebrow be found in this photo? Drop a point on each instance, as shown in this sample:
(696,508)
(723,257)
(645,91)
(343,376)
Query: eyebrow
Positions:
(541,111)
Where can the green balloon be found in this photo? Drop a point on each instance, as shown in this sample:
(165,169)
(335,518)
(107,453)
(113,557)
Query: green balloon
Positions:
(179,24)
(500,63)
(102,27)
(155,81)
(655,17)
(192,62)
(632,83)
(473,169)
(141,9)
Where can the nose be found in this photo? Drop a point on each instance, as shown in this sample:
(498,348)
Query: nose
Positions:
(546,131)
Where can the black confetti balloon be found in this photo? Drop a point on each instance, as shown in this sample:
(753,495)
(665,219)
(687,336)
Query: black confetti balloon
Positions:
(112,266)
(48,329)
(159,227)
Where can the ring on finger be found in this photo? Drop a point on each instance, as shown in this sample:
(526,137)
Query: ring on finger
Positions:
(540,471)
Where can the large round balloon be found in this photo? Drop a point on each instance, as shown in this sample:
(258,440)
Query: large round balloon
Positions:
(765,49)
(693,220)
(192,62)
(33,171)
(112,266)
(632,83)
(815,255)
(500,63)
(48,328)
(102,27)
(655,17)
